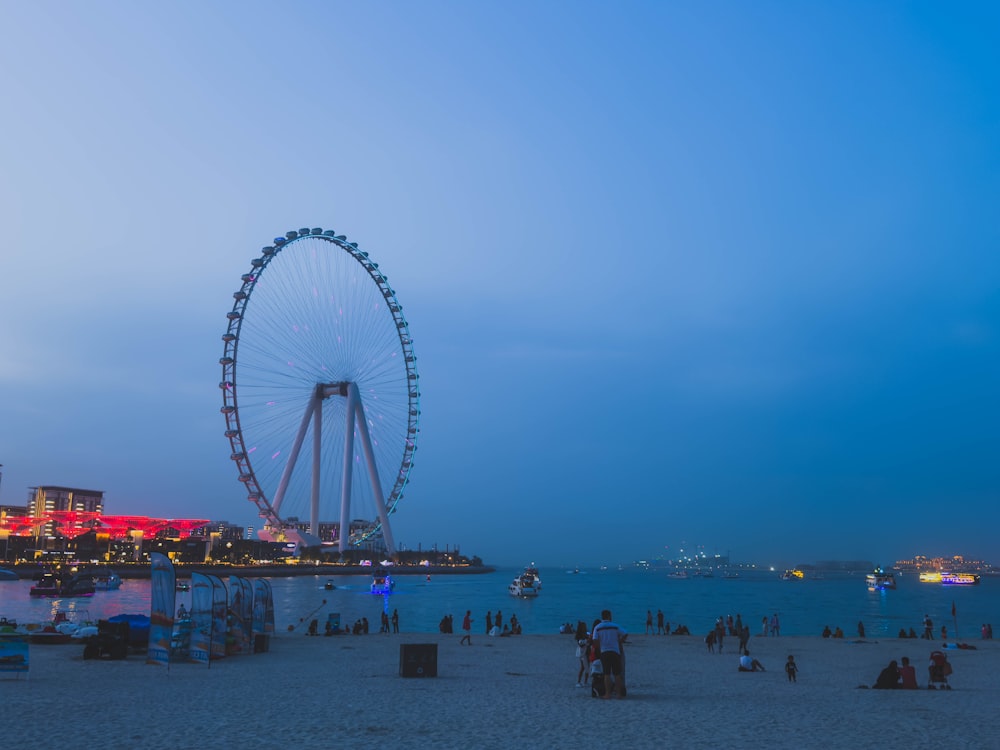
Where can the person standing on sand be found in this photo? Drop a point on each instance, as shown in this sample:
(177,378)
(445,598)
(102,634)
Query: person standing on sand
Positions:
(582,644)
(611,636)
(395,621)
(489,622)
(659,622)
(763,626)
(649,622)
(467,627)
(498,622)
(720,632)
(791,669)
(775,625)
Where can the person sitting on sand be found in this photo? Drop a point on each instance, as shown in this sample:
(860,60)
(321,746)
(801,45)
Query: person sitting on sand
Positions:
(827,632)
(838,633)
(907,675)
(748,664)
(888,678)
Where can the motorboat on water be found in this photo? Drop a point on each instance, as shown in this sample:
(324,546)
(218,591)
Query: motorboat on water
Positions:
(329,585)
(54,585)
(523,587)
(382,583)
(107,581)
(182,586)
(532,572)
(879,580)
(793,575)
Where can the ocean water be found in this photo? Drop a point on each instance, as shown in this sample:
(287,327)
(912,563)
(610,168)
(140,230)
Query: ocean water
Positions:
(803,607)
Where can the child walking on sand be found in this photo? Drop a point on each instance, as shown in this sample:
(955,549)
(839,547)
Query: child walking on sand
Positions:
(791,668)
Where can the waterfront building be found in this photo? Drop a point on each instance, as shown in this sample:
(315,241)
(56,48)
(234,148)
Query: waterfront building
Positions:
(47,500)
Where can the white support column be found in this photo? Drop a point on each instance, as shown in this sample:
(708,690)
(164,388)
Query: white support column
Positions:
(345,487)
(317,444)
(279,494)
(376,484)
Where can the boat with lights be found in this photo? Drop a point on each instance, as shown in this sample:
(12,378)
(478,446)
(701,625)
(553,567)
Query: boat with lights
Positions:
(382,583)
(880,580)
(532,572)
(960,579)
(54,585)
(523,587)
(793,575)
(107,581)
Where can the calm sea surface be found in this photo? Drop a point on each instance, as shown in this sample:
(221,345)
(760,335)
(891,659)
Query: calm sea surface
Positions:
(804,607)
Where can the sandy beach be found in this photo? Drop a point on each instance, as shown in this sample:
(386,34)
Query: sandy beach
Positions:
(506,693)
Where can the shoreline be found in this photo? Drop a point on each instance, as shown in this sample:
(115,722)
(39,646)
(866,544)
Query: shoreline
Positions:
(182,570)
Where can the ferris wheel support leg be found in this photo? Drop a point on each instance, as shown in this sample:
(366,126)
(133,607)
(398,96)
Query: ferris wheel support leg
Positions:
(279,494)
(366,445)
(317,445)
(345,486)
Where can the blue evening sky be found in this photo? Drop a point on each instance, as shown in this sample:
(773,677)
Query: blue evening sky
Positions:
(703,273)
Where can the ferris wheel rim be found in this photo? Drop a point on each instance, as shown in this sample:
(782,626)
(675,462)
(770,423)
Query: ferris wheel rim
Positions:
(230,360)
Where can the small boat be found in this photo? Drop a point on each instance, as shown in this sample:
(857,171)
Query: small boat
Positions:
(960,579)
(523,587)
(52,585)
(879,580)
(678,574)
(382,583)
(930,576)
(793,575)
(532,572)
(107,581)
(182,586)
(329,585)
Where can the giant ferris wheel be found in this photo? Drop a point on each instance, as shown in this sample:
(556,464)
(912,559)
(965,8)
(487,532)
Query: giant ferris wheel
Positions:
(320,390)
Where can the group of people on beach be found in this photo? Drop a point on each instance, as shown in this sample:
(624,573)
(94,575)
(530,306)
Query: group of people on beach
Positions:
(600,654)
(904,676)
(662,625)
(717,635)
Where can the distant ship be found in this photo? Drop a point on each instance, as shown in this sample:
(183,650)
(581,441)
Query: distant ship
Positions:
(878,579)
(960,579)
